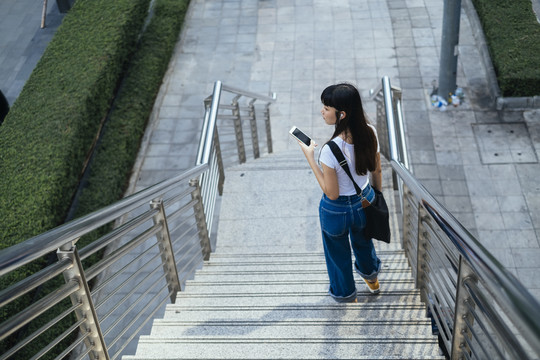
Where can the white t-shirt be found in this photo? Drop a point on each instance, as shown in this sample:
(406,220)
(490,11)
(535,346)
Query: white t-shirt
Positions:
(327,157)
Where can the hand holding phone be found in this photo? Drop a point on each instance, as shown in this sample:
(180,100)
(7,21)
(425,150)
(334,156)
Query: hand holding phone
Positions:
(300,136)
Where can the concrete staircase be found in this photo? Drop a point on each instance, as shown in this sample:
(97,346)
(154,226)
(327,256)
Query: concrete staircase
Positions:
(263,294)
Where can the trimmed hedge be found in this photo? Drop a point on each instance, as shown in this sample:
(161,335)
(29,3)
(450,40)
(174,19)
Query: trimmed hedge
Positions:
(119,145)
(513,36)
(49,131)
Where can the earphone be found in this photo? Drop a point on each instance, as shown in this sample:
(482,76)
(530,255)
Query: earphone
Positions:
(340,116)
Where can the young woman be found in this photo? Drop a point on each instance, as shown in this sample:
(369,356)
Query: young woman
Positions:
(340,211)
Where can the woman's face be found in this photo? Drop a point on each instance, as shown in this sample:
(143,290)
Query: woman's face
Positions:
(329,114)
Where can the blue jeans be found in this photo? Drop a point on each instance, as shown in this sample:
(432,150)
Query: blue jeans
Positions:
(340,219)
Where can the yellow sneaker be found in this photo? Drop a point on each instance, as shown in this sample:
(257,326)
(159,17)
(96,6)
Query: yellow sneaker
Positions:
(373,286)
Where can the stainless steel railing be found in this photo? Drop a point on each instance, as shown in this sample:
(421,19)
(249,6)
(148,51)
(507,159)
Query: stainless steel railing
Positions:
(221,108)
(482,311)
(149,243)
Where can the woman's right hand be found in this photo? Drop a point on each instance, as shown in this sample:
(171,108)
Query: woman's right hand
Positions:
(309,151)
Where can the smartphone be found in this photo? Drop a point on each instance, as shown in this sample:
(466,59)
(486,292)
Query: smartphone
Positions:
(300,135)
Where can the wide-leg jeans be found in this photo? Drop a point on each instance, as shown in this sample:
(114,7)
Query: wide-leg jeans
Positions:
(342,219)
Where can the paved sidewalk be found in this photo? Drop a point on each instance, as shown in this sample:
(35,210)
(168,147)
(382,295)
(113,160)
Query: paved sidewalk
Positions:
(23,41)
(482,163)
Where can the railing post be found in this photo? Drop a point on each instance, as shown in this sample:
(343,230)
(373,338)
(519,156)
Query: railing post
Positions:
(44,14)
(238,130)
(253,123)
(407,220)
(268,126)
(461,314)
(421,254)
(87,311)
(201,219)
(382,131)
(219,160)
(166,249)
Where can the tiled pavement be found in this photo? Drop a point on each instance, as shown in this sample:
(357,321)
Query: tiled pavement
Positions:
(22,41)
(482,163)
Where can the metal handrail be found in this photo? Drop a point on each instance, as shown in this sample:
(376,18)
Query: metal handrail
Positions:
(211,115)
(158,237)
(489,300)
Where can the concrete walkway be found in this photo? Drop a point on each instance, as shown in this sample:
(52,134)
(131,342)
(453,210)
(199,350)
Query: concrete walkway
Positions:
(23,41)
(482,163)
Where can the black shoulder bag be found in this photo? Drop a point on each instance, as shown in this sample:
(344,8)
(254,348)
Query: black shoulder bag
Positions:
(378,218)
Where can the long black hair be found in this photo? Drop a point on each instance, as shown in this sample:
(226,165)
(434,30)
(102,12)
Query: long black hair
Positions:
(345,97)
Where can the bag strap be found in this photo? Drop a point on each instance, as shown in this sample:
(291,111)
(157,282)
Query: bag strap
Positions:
(343,163)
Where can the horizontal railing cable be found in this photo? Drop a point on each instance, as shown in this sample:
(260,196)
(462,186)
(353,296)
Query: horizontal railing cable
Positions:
(60,338)
(119,272)
(138,329)
(133,290)
(39,331)
(33,281)
(106,262)
(36,309)
(499,327)
(482,327)
(73,346)
(132,305)
(139,314)
(116,234)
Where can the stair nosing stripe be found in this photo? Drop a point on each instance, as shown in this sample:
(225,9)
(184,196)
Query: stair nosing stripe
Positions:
(299,307)
(298,271)
(283,323)
(318,254)
(281,282)
(313,340)
(308,293)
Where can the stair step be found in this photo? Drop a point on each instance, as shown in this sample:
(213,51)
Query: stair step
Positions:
(274,235)
(291,163)
(287,266)
(285,329)
(330,311)
(357,357)
(279,258)
(294,297)
(293,256)
(370,347)
(306,238)
(284,275)
(257,204)
(260,167)
(281,286)
(396,259)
